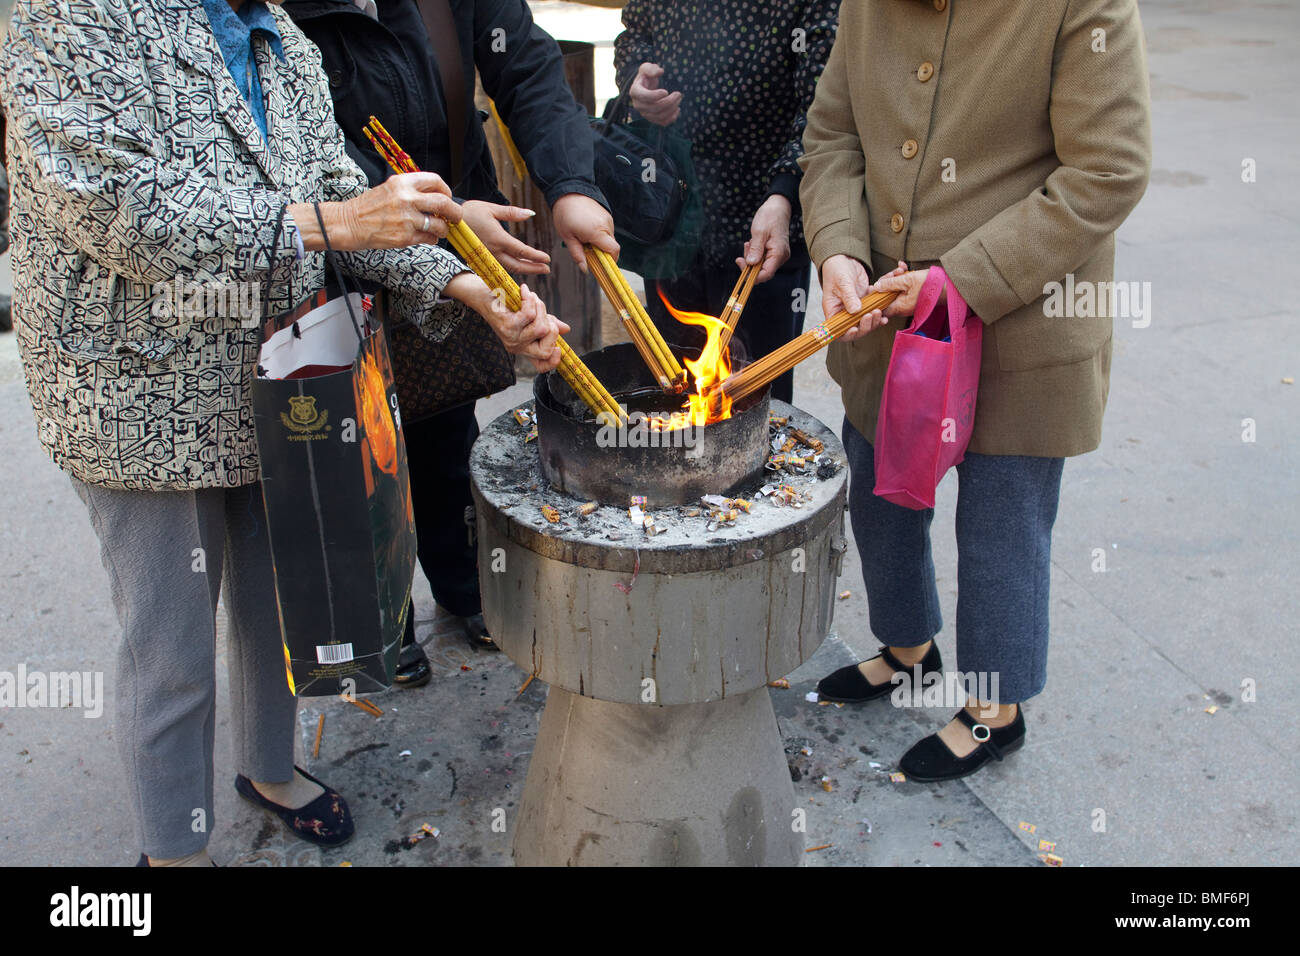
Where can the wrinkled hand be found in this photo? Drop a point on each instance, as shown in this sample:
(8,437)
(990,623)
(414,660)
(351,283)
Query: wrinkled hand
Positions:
(844,283)
(405,210)
(530,331)
(908,286)
(581,221)
(769,237)
(657,105)
(485,218)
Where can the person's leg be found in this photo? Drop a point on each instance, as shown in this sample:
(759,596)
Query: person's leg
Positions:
(438,455)
(163,552)
(898,572)
(770,318)
(1006,508)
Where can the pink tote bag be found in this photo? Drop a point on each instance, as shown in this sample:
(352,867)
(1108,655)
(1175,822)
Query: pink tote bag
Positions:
(927,411)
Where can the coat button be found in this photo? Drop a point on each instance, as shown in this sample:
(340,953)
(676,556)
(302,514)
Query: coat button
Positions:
(925,71)
(896,222)
(941,5)
(909,150)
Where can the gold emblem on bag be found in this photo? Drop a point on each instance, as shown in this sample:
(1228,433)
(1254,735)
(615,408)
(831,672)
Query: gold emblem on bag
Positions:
(303,416)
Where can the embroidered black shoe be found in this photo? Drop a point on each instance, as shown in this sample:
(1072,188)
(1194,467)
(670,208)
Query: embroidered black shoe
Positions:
(325,821)
(930,760)
(849,686)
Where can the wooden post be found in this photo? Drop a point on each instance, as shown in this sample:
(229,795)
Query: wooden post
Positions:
(568,294)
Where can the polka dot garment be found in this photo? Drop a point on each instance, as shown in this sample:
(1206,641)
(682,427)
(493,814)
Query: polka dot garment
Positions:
(747,70)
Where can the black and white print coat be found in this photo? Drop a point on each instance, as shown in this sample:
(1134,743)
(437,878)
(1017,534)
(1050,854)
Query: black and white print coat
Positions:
(134,163)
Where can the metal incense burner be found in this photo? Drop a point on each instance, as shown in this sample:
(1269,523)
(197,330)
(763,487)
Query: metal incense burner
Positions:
(658,744)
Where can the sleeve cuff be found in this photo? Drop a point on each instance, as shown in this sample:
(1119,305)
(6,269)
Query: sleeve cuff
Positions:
(787,185)
(976,276)
(560,190)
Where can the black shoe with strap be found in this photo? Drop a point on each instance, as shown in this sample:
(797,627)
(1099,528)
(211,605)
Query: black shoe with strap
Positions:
(847,685)
(930,760)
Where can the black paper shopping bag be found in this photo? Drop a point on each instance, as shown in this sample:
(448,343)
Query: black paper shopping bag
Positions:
(338,496)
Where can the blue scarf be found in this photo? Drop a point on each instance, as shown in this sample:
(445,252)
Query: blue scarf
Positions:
(234,32)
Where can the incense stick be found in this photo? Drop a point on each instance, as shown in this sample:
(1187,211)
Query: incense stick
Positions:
(485,265)
(645,335)
(736,305)
(776,363)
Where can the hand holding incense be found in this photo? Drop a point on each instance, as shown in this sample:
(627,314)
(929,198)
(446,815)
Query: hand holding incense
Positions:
(485,265)
(776,363)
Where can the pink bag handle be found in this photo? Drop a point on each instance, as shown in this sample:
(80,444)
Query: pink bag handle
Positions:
(937,280)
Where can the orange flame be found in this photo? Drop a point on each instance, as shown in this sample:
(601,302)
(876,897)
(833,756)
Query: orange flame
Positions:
(713,366)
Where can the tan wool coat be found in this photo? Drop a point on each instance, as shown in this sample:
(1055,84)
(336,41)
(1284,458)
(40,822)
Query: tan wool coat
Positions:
(1006,141)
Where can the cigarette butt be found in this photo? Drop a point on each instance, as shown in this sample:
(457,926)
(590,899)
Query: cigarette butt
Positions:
(1027,827)
(1046,846)
(897,777)
(1289,380)
(1212,709)
(588,508)
(1051,859)
(814,849)
(826,785)
(550,514)
(320,728)
(844,595)
(780,682)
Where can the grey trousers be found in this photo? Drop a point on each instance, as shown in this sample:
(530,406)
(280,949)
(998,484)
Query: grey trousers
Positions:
(1006,507)
(165,552)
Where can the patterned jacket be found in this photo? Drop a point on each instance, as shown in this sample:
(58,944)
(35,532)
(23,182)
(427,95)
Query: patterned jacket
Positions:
(136,165)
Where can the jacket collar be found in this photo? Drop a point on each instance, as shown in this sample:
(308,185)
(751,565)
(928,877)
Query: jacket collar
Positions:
(187,27)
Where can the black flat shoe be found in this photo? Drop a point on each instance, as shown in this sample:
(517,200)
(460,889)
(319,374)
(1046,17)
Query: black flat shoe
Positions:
(413,669)
(476,633)
(325,821)
(930,760)
(848,686)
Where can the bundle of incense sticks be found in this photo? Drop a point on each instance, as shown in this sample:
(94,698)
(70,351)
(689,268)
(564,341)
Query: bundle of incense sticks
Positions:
(776,363)
(485,265)
(645,336)
(736,304)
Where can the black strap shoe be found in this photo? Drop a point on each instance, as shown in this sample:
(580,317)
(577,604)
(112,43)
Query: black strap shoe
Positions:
(326,821)
(848,686)
(930,760)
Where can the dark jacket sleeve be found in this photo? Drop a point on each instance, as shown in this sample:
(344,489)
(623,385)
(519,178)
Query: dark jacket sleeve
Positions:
(636,44)
(522,70)
(818,26)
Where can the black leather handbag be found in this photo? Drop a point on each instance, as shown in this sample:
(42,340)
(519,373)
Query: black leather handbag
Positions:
(645,187)
(471,362)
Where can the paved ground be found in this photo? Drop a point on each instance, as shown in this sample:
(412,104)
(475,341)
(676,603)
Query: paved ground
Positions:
(1196,606)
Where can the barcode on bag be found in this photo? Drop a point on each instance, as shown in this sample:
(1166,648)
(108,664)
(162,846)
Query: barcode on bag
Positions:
(333,653)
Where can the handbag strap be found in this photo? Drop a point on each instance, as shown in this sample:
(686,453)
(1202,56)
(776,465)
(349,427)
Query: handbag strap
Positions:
(333,262)
(441,26)
(619,112)
(936,281)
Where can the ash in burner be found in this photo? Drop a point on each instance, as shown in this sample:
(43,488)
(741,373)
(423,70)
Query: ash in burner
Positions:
(651,402)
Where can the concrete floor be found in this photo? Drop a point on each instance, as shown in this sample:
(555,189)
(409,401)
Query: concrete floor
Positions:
(1123,764)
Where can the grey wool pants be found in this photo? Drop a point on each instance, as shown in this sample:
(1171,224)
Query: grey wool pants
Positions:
(167,553)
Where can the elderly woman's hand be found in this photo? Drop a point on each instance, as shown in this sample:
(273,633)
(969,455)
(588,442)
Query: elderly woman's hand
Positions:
(530,331)
(844,283)
(908,286)
(405,210)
